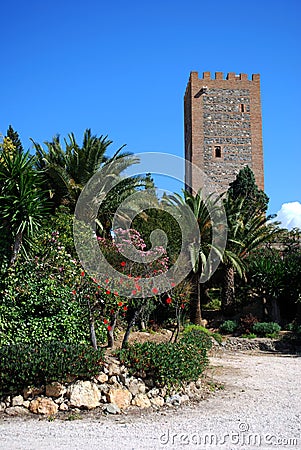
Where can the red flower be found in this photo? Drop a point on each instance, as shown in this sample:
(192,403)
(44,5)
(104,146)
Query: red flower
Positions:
(109,328)
(182,306)
(108,292)
(82,273)
(73,292)
(155,291)
(116,293)
(125,308)
(173,284)
(123,263)
(168,300)
(134,292)
(105,321)
(107,280)
(120,303)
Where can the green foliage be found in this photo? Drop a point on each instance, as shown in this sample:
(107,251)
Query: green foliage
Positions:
(200,329)
(244,186)
(22,201)
(249,336)
(24,365)
(228,327)
(38,298)
(166,363)
(266,329)
(198,337)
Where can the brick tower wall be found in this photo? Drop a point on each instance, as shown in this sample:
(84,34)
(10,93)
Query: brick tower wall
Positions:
(223,127)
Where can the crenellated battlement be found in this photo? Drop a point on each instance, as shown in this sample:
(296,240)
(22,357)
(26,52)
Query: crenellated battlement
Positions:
(231,76)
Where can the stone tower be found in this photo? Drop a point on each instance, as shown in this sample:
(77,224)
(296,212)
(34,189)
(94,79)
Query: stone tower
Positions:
(223,127)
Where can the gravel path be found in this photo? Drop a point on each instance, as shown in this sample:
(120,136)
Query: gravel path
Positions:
(259,407)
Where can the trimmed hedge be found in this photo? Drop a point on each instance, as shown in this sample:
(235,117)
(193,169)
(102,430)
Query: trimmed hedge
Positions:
(266,329)
(168,363)
(24,365)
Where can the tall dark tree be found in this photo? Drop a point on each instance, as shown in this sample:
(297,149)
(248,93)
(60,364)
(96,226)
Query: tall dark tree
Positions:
(245,187)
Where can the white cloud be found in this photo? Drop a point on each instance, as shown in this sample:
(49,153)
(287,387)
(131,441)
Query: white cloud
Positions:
(290,215)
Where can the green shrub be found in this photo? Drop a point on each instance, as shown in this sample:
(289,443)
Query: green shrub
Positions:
(268,329)
(228,327)
(214,335)
(195,335)
(249,336)
(24,365)
(166,363)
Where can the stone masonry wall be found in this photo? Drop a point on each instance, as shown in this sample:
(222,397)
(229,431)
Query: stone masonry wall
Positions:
(223,130)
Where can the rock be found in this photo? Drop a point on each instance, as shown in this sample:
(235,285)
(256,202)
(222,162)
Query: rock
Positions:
(135,387)
(17,411)
(7,401)
(84,394)
(59,400)
(26,404)
(157,402)
(111,408)
(153,392)
(2,406)
(102,378)
(43,405)
(174,400)
(114,369)
(184,398)
(63,407)
(55,389)
(113,380)
(104,388)
(142,401)
(17,401)
(124,379)
(31,391)
(120,397)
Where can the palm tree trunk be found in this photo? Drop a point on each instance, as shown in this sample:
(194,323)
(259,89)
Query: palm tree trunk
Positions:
(16,248)
(195,303)
(228,291)
(92,326)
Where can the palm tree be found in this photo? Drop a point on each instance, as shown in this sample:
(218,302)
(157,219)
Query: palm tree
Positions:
(246,232)
(68,170)
(205,213)
(22,202)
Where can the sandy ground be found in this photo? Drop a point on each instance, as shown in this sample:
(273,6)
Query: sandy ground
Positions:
(259,407)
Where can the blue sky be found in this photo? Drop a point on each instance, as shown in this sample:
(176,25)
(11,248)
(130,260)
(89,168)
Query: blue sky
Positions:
(121,68)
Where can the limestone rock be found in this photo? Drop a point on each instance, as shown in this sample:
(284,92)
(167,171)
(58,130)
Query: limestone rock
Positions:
(17,401)
(136,387)
(43,405)
(63,407)
(120,397)
(55,389)
(111,408)
(142,401)
(157,402)
(84,394)
(2,406)
(102,378)
(17,411)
